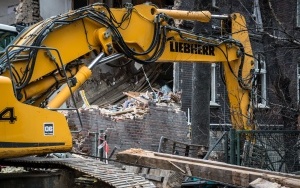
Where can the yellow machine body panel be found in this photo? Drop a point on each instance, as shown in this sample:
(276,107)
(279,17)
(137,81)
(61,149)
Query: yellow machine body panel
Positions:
(27,129)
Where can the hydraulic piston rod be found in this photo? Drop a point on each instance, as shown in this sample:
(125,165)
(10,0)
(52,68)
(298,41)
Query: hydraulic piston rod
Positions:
(201,16)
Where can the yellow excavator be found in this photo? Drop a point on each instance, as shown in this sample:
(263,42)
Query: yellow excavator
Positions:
(60,52)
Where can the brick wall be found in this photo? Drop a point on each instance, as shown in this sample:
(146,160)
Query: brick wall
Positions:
(28,12)
(129,133)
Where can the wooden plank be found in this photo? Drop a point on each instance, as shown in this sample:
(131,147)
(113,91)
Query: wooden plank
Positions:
(211,170)
(188,170)
(220,164)
(121,112)
(144,101)
(181,170)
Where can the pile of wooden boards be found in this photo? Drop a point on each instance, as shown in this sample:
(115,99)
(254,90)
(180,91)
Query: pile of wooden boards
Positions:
(227,174)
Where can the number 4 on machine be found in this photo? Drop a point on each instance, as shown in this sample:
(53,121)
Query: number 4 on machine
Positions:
(8,115)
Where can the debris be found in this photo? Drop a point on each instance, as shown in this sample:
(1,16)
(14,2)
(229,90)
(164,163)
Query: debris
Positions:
(121,112)
(84,99)
(262,183)
(138,98)
(137,104)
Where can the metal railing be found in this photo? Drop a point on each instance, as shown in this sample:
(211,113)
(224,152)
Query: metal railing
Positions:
(275,150)
(174,147)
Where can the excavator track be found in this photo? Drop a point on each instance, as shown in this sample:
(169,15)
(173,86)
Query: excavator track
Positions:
(111,175)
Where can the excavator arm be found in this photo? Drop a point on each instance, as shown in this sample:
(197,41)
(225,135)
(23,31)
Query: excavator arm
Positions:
(65,48)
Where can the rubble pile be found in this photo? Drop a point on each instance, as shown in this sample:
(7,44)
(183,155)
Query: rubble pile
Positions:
(137,104)
(121,121)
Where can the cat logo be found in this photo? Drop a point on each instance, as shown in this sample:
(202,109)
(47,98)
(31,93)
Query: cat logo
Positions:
(48,129)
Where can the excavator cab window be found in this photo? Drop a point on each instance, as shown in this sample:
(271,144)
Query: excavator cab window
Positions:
(7,35)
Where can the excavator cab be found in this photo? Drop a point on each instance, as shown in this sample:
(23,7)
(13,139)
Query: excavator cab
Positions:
(7,35)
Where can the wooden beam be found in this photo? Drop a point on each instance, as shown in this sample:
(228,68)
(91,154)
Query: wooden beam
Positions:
(210,170)
(121,112)
(144,101)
